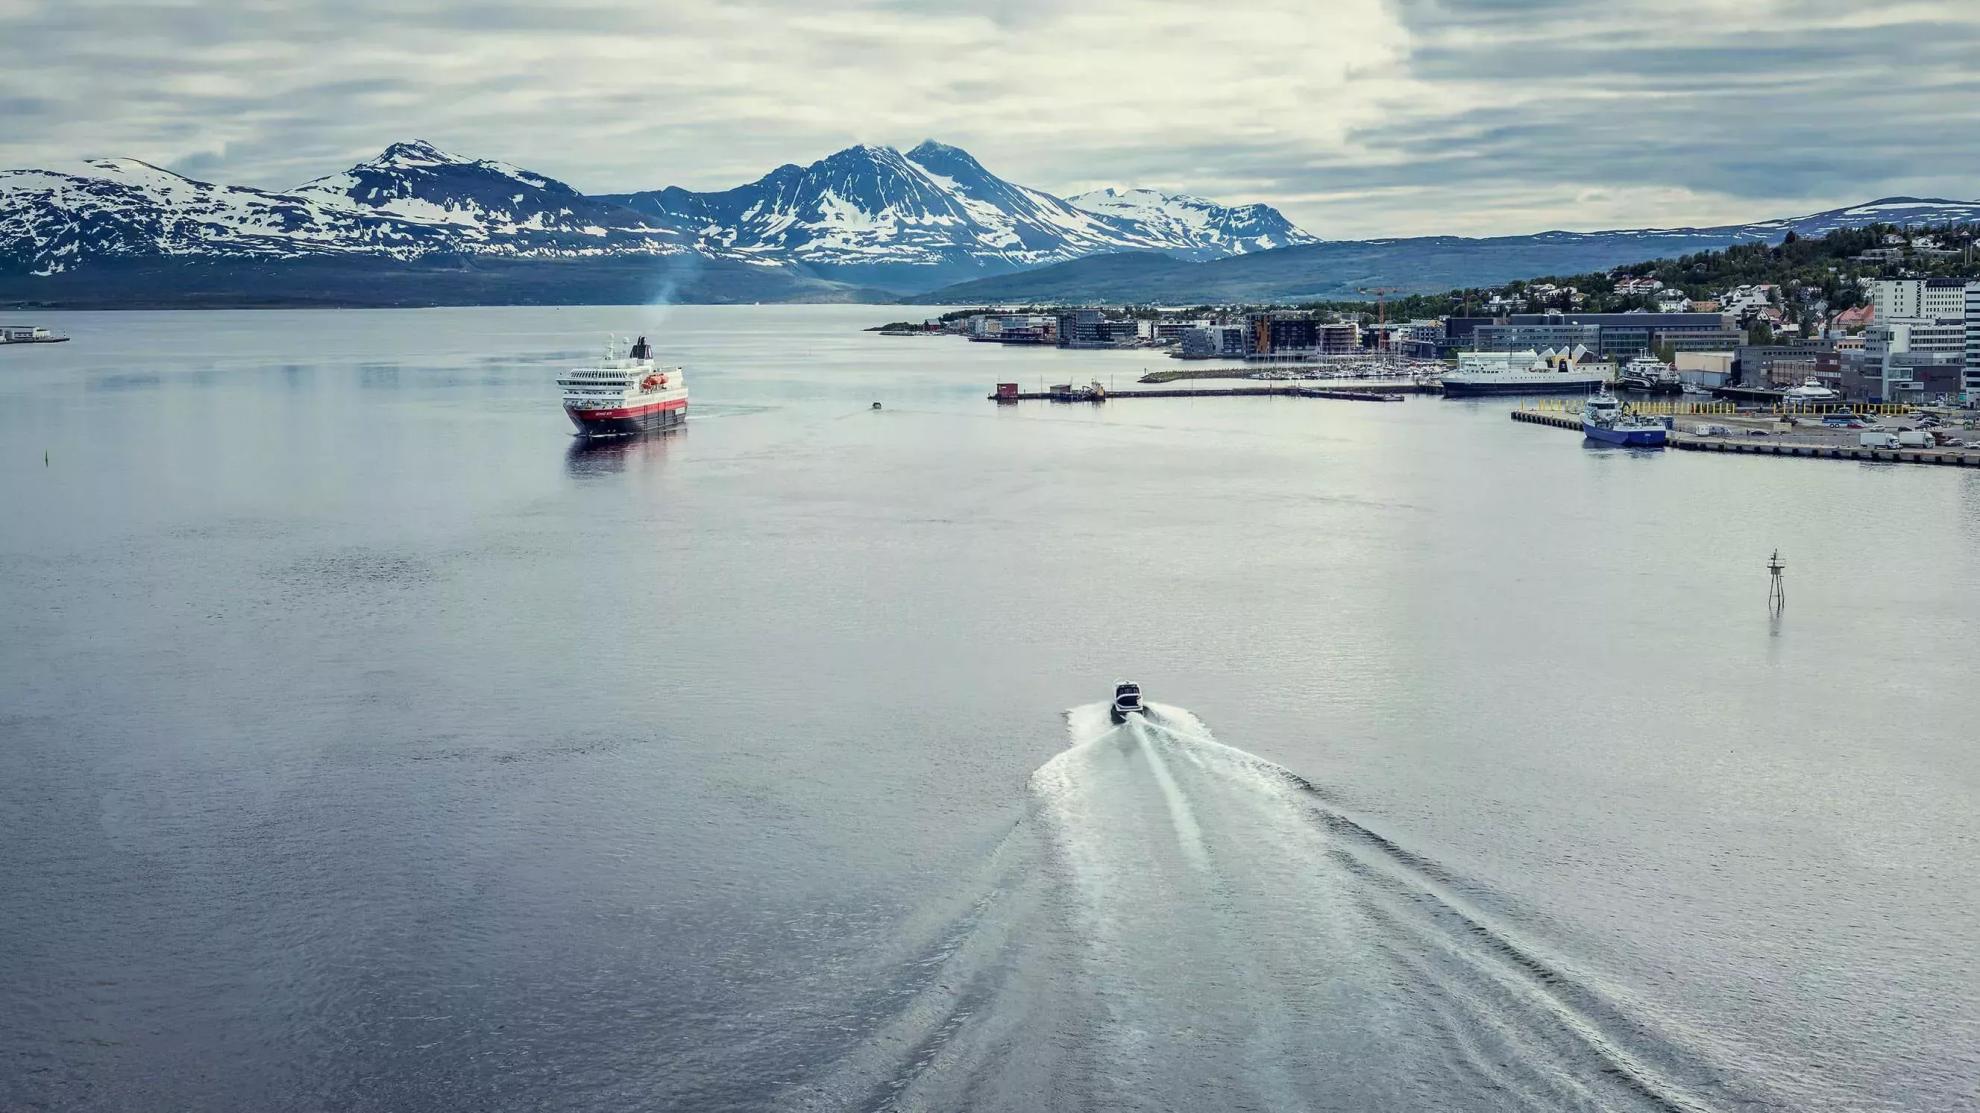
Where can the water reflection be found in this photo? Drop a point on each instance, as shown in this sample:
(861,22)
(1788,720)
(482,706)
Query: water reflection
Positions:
(127,380)
(588,456)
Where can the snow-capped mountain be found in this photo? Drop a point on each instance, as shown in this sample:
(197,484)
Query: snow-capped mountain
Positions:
(1884,210)
(53,220)
(411,201)
(440,228)
(865,215)
(1193,226)
(875,214)
(484,206)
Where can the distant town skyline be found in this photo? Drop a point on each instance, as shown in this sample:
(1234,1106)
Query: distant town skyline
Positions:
(1371,118)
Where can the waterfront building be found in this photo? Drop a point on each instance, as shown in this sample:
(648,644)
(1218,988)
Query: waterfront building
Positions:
(1909,359)
(1282,335)
(1789,364)
(1706,370)
(1013,328)
(1890,337)
(1612,335)
(1914,376)
(1458,331)
(1338,338)
(1286,336)
(1513,337)
(1172,332)
(1422,340)
(1970,380)
(1216,342)
(1090,328)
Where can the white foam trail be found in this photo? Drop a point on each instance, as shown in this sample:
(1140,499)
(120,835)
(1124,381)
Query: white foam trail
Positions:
(1181,924)
(1188,831)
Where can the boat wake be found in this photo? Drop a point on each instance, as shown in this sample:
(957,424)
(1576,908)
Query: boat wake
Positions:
(1181,924)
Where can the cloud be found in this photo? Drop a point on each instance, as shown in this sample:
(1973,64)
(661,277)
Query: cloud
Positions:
(1362,117)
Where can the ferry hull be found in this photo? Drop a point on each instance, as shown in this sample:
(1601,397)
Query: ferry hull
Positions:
(1478,389)
(628,422)
(1641,438)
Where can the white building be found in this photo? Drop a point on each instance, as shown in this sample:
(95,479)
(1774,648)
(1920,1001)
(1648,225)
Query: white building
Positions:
(1917,334)
(1919,299)
(1709,370)
(1897,353)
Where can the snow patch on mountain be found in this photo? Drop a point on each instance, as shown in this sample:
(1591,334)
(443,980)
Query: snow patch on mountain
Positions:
(1194,225)
(51,220)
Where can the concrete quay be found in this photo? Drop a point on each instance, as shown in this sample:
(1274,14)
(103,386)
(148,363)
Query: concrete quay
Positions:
(1812,443)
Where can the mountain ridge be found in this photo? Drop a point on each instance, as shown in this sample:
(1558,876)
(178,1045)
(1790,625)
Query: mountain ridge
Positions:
(860,217)
(865,222)
(1419,264)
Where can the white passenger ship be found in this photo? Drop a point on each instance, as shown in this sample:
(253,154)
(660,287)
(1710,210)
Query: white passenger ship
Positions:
(620,396)
(1524,372)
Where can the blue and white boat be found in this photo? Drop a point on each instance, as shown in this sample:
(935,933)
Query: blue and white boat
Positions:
(1603,418)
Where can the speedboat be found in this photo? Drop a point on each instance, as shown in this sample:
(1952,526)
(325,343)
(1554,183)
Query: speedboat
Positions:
(1127,701)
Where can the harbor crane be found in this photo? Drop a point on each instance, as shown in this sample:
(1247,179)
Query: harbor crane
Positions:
(1381,310)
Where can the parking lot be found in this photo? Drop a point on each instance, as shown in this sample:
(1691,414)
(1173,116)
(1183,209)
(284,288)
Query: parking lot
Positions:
(1811,430)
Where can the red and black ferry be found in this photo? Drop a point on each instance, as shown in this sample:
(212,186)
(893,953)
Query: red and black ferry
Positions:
(624,395)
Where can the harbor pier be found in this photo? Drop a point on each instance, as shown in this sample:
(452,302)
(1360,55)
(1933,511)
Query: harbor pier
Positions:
(1802,441)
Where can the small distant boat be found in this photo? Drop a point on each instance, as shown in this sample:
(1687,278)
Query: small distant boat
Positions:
(1127,701)
(1812,390)
(29,334)
(1603,418)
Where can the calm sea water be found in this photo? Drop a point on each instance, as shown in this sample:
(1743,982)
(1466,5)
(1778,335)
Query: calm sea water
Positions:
(366,744)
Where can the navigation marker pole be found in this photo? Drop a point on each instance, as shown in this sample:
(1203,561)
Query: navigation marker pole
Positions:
(1776,590)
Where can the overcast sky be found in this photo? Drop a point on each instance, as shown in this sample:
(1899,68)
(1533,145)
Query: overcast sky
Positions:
(1356,117)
